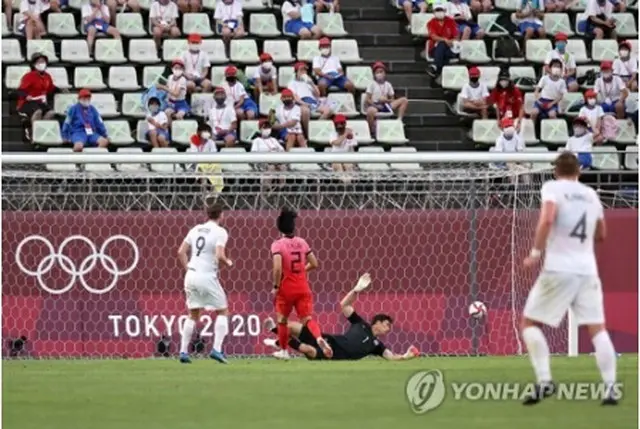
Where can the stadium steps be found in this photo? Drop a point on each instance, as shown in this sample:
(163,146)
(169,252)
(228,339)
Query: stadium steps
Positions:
(385,28)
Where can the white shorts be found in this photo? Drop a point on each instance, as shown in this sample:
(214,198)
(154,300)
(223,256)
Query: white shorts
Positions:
(203,290)
(554,293)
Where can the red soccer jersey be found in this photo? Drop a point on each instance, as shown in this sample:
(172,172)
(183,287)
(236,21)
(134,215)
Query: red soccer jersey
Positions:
(294,251)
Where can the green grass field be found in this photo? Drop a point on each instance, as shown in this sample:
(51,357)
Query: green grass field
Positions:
(266,394)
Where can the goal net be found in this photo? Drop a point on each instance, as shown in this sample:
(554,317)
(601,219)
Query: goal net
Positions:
(90,266)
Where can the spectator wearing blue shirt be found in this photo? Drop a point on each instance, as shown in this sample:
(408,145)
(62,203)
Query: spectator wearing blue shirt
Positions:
(83,126)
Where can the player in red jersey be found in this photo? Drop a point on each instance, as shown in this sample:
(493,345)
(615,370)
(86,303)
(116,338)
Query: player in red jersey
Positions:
(292,259)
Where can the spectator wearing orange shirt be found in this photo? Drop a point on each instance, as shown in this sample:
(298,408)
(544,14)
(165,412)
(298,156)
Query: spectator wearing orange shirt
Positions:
(443,32)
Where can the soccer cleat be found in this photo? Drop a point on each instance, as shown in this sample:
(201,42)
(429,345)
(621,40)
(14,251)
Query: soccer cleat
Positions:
(326,348)
(609,401)
(268,325)
(219,356)
(270,342)
(184,358)
(281,355)
(541,391)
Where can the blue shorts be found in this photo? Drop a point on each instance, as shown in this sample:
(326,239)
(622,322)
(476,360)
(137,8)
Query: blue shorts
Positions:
(312,102)
(570,79)
(415,3)
(179,106)
(544,112)
(248,105)
(282,134)
(100,25)
(475,28)
(82,137)
(609,107)
(524,26)
(585,159)
(225,134)
(219,26)
(383,107)
(339,81)
(296,25)
(159,133)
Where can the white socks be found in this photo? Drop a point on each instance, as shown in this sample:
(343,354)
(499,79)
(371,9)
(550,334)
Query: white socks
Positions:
(220,330)
(538,350)
(605,357)
(187,333)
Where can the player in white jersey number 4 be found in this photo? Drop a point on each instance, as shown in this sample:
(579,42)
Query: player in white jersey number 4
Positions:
(571,219)
(201,254)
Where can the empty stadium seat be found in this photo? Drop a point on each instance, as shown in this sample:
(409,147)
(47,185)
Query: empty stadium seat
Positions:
(474,51)
(5,26)
(247,129)
(268,102)
(142,126)
(454,77)
(62,102)
(285,75)
(125,151)
(130,25)
(419,23)
(403,166)
(605,158)
(555,23)
(263,25)
(210,4)
(181,131)
(331,24)
(343,103)
(528,132)
(165,168)
(390,131)
(625,25)
(372,166)
(554,131)
(522,71)
(217,75)
(280,51)
(88,77)
(571,103)
(46,133)
(235,167)
(196,23)
(488,23)
(172,49)
(123,78)
(152,75)
(304,166)
(201,103)
(254,5)
(306,50)
(346,50)
(537,50)
(132,105)
(320,131)
(62,24)
(143,51)
(489,75)
(360,130)
(106,104)
(626,133)
(485,131)
(529,101)
(216,51)
(95,167)
(13,75)
(604,50)
(43,46)
(119,132)
(631,157)
(75,51)
(579,6)
(509,5)
(66,168)
(110,51)
(578,49)
(361,76)
(244,51)
(60,77)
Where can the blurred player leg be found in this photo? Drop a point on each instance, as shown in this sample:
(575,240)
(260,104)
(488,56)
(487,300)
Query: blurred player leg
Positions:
(187,333)
(221,328)
(283,310)
(304,309)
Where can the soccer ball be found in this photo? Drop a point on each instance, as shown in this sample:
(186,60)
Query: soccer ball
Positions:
(477,310)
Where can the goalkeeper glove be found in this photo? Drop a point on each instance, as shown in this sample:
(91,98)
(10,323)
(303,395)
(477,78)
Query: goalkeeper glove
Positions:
(363,282)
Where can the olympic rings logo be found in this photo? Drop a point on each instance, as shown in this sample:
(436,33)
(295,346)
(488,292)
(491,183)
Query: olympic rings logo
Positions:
(77,272)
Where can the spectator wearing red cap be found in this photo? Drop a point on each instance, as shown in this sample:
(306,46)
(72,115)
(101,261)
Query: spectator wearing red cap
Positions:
(329,71)
(461,14)
(157,124)
(612,91)
(176,88)
(626,66)
(474,95)
(288,121)
(265,78)
(549,92)
(567,59)
(529,15)
(228,17)
(163,16)
(507,99)
(380,97)
(581,142)
(34,89)
(592,112)
(196,65)
(307,96)
(599,23)
(119,6)
(223,119)
(342,140)
(293,24)
(189,6)
(237,96)
(84,126)
(95,18)
(31,19)
(509,140)
(410,7)
(443,32)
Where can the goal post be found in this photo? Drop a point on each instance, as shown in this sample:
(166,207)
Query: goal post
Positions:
(89,254)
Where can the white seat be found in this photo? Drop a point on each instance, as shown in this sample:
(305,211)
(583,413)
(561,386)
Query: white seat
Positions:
(196,23)
(106,104)
(110,51)
(361,76)
(571,103)
(89,77)
(454,77)
(578,49)
(125,151)
(46,133)
(5,26)
(62,102)
(119,132)
(529,102)
(555,23)
(247,130)
(390,131)
(95,167)
(489,75)
(554,131)
(360,130)
(605,158)
(66,168)
(331,24)
(320,131)
(62,24)
(488,23)
(631,157)
(528,132)
(263,25)
(132,105)
(460,108)
(181,131)
(346,50)
(579,6)
(43,46)
(474,51)
(268,102)
(123,78)
(14,74)
(626,133)
(201,104)
(285,75)
(152,75)
(60,77)
(485,131)
(510,5)
(344,103)
(11,51)
(142,127)
(402,166)
(372,166)
(522,71)
(307,50)
(625,25)
(419,23)
(254,5)
(602,50)
(165,168)
(217,75)
(537,50)
(244,51)
(172,49)
(280,51)
(303,166)
(143,51)
(216,51)
(130,25)
(75,51)
(239,167)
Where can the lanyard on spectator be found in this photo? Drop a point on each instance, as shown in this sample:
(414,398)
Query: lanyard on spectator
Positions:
(219,118)
(195,62)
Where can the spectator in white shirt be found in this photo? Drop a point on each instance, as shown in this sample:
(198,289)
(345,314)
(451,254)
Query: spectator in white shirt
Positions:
(474,95)
(176,88)
(568,62)
(293,23)
(529,15)
(157,125)
(163,16)
(380,97)
(592,112)
(509,140)
(196,65)
(626,66)
(202,142)
(95,18)
(189,6)
(223,119)
(581,143)
(342,140)
(549,93)
(307,96)
(237,96)
(599,22)
(288,125)
(119,6)
(265,78)
(328,70)
(32,25)
(264,142)
(228,17)
(461,14)
(612,91)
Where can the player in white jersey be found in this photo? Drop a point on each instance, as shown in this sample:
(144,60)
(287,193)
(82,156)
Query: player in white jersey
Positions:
(205,244)
(571,220)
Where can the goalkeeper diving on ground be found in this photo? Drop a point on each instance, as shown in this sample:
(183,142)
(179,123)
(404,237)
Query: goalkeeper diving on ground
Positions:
(361,339)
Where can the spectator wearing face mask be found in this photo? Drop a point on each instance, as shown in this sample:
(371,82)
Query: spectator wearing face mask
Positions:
(380,97)
(461,13)
(329,70)
(32,25)
(288,117)
(293,23)
(307,96)
(549,92)
(567,60)
(342,140)
(176,88)
(626,66)
(507,99)
(411,6)
(95,18)
(34,89)
(196,65)
(83,126)
(592,112)
(157,124)
(228,17)
(163,16)
(612,91)
(509,140)
(237,96)
(223,119)
(443,32)
(202,142)
(474,95)
(530,15)
(265,142)
(581,142)
(265,78)
(599,23)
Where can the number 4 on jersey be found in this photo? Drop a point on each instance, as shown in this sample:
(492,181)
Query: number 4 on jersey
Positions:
(580,230)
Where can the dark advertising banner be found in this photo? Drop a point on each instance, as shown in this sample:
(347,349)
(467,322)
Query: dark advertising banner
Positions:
(109,283)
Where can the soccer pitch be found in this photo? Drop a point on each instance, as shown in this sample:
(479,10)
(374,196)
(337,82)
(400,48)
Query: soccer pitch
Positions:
(265,394)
